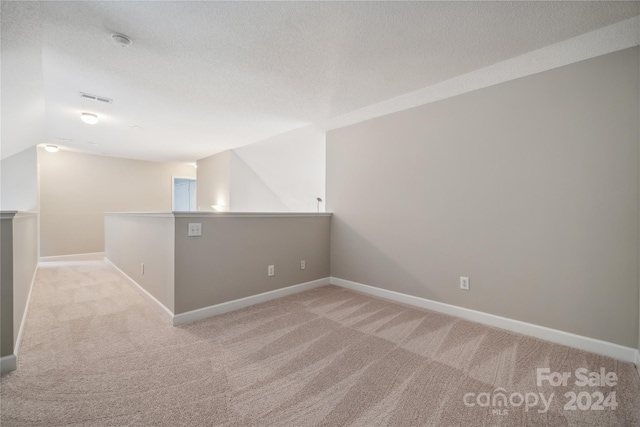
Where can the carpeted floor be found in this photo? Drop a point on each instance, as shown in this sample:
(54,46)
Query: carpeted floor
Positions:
(96,353)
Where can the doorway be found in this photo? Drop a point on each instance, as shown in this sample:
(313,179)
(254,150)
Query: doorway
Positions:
(184,194)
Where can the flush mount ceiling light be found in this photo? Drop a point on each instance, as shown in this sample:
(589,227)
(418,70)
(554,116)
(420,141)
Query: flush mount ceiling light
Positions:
(89,118)
(121,40)
(51,148)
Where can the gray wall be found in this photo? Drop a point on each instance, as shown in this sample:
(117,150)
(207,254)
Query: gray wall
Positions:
(230,260)
(529,187)
(19,260)
(131,240)
(6,286)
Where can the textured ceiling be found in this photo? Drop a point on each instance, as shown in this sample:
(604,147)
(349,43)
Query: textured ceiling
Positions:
(202,77)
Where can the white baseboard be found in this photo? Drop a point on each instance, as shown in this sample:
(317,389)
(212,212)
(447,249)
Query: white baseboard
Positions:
(154,301)
(94,256)
(592,345)
(8,363)
(225,307)
(16,347)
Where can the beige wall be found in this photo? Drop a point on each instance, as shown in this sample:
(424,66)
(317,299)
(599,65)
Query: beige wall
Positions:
(230,260)
(19,260)
(76,189)
(214,182)
(132,240)
(529,187)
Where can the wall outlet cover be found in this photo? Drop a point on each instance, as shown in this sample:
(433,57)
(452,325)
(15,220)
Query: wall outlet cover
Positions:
(195,229)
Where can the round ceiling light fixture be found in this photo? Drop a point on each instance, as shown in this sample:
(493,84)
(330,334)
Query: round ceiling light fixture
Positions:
(89,118)
(121,40)
(51,148)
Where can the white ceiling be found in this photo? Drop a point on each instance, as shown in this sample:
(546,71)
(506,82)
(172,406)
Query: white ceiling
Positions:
(202,77)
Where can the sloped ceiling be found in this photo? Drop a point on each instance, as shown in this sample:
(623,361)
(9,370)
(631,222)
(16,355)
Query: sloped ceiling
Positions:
(202,77)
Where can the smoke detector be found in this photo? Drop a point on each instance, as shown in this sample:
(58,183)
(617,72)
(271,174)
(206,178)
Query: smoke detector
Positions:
(121,40)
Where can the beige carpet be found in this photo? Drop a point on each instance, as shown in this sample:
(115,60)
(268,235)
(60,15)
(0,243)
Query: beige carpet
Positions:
(95,353)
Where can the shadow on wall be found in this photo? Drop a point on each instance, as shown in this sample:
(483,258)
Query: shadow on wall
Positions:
(250,192)
(350,248)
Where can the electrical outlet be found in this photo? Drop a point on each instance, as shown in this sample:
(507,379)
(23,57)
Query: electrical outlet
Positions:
(464,283)
(195,229)
(271,270)
(142,268)
(303,265)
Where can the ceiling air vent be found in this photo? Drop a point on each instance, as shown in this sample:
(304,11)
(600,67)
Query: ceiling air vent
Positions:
(96,98)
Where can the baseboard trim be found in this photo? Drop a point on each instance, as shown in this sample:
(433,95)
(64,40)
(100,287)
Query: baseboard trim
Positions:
(592,345)
(93,256)
(163,309)
(16,347)
(637,362)
(8,363)
(225,307)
